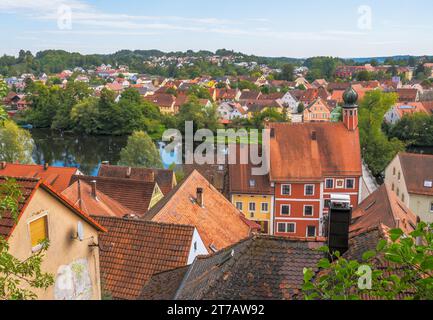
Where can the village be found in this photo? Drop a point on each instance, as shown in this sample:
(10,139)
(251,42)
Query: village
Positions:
(218,231)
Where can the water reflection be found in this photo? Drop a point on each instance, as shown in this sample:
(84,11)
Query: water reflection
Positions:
(80,151)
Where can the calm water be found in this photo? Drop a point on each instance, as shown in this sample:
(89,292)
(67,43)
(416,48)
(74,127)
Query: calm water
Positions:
(84,152)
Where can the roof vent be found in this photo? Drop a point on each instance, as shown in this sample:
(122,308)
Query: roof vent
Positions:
(93,185)
(314,136)
(46,165)
(200,198)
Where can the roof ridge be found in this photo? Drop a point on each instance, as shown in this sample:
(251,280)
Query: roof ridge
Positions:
(31,179)
(142,221)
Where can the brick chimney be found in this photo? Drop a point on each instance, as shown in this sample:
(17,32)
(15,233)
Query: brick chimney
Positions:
(200,198)
(46,166)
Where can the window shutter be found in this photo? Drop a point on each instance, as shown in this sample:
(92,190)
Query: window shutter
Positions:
(38,231)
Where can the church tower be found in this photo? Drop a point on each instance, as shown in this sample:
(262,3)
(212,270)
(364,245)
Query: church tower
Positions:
(350,109)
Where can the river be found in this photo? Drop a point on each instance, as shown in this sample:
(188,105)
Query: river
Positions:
(81,151)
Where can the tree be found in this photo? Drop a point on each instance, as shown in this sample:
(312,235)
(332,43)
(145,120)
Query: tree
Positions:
(415,129)
(16,144)
(410,271)
(287,72)
(301,107)
(140,152)
(199,92)
(19,277)
(203,117)
(377,150)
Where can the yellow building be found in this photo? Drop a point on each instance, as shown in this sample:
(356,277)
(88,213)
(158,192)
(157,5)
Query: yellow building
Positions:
(72,257)
(251,194)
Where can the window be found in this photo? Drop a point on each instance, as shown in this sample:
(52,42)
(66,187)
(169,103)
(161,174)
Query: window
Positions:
(309,190)
(285,189)
(286,227)
(350,183)
(265,207)
(428,184)
(239,206)
(431,206)
(402,197)
(252,206)
(327,203)
(308,210)
(38,231)
(311,231)
(393,187)
(195,245)
(399,175)
(398,192)
(285,209)
(252,183)
(393,171)
(329,183)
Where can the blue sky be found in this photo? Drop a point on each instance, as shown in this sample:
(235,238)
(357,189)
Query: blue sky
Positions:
(298,28)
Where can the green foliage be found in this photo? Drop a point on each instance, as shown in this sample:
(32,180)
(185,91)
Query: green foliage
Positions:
(203,117)
(286,72)
(410,271)
(415,129)
(199,92)
(18,278)
(140,152)
(322,67)
(16,145)
(377,150)
(247,85)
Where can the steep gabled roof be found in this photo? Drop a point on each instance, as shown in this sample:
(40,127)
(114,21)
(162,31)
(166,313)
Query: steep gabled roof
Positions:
(417,169)
(382,207)
(80,194)
(58,177)
(133,250)
(164,178)
(28,187)
(218,222)
(296,156)
(258,268)
(135,195)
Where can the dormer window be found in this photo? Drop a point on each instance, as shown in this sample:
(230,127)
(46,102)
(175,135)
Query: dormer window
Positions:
(252,183)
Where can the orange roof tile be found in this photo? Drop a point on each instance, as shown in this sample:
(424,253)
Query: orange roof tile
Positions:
(134,250)
(218,222)
(57,177)
(80,194)
(296,156)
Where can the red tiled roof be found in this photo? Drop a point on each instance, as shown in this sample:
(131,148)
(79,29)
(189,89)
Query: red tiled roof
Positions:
(134,250)
(218,222)
(417,168)
(80,194)
(132,194)
(58,177)
(295,156)
(164,178)
(161,99)
(382,207)
(28,187)
(408,108)
(407,94)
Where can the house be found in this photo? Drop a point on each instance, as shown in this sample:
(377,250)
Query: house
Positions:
(309,162)
(411,178)
(290,102)
(319,83)
(134,250)
(428,106)
(252,195)
(196,202)
(259,106)
(231,110)
(57,177)
(227,94)
(350,71)
(301,81)
(249,95)
(407,95)
(402,109)
(166,179)
(135,195)
(73,240)
(309,96)
(91,201)
(214,173)
(165,102)
(115,86)
(429,66)
(317,111)
(383,207)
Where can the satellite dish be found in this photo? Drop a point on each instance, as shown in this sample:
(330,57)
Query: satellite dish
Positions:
(80,231)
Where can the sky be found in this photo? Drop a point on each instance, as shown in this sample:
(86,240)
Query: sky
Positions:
(344,28)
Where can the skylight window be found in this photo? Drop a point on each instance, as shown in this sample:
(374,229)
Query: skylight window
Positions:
(428,184)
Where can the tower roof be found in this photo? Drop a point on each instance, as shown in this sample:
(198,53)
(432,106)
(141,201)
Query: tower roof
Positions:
(350,97)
